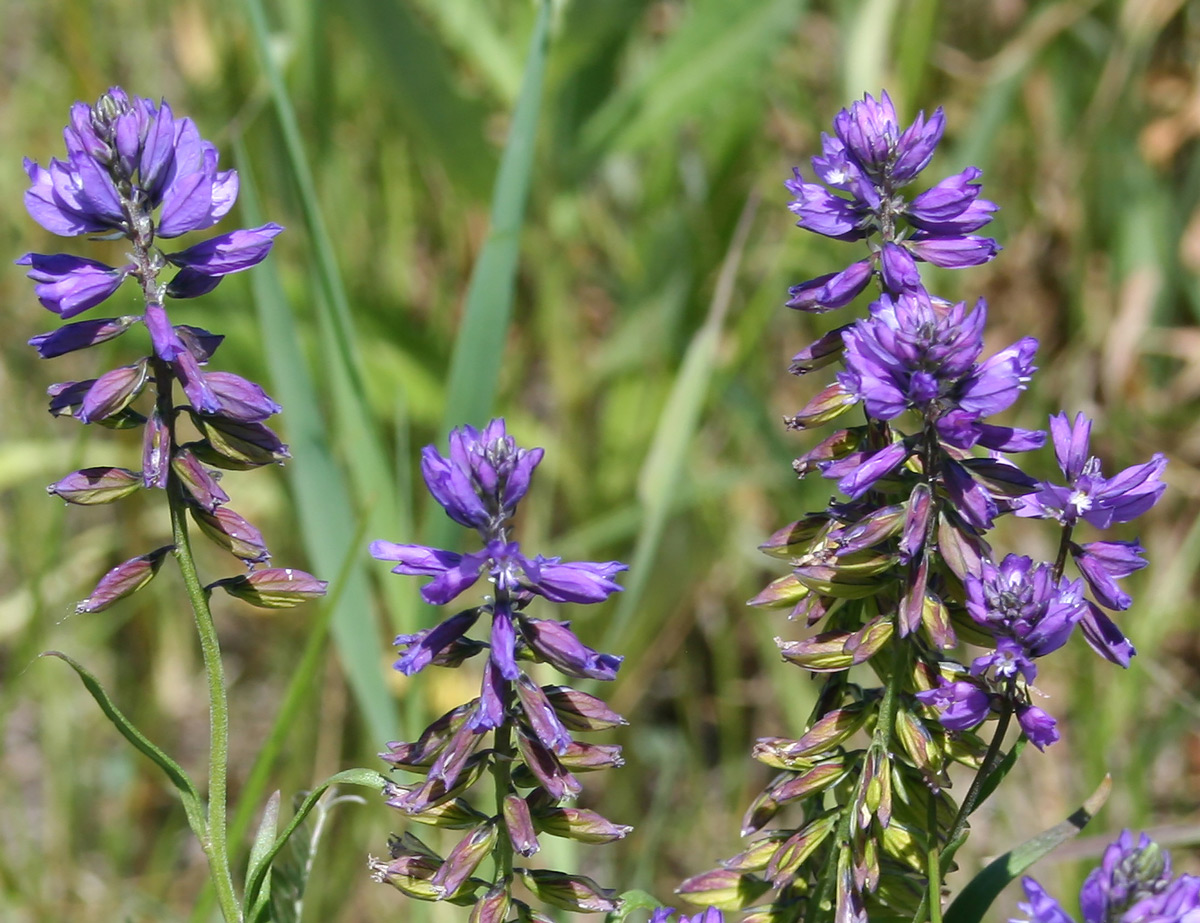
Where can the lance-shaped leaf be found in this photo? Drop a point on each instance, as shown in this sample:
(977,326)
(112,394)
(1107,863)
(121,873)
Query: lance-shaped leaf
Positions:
(193,805)
(93,486)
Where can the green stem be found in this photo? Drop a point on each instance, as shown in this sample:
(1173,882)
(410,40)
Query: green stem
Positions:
(216,845)
(934,894)
(990,760)
(502,852)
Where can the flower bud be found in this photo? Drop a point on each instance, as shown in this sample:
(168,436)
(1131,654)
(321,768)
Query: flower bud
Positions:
(464,858)
(199,342)
(839,445)
(124,580)
(870,639)
(823,653)
(273,587)
(519,823)
(869,531)
(918,743)
(830,404)
(822,352)
(541,715)
(453,814)
(576,893)
(961,552)
(792,854)
(795,539)
(832,729)
(81,335)
(815,779)
(198,481)
(724,889)
(493,906)
(546,767)
(780,593)
(93,486)
(583,757)
(249,444)
(756,856)
(241,401)
(113,391)
(916,521)
(156,449)
(421,753)
(579,711)
(579,824)
(233,533)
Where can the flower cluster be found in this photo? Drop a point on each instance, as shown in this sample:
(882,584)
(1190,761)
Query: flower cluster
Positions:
(901,572)
(533,726)
(1132,884)
(864,167)
(136,172)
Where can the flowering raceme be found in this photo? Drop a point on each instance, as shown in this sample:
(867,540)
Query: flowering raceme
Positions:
(479,485)
(134,171)
(901,571)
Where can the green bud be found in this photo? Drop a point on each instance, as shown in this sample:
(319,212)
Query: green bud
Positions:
(93,486)
(724,889)
(576,893)
(780,593)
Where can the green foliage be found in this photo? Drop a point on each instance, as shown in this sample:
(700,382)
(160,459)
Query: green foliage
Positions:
(374,131)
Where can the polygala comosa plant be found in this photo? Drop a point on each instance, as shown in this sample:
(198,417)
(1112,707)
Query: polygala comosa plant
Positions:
(925,639)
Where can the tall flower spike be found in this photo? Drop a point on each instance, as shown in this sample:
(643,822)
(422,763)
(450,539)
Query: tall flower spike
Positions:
(134,170)
(479,485)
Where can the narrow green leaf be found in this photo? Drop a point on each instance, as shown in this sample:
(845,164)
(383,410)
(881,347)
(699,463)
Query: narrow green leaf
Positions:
(630,901)
(975,899)
(288,877)
(479,348)
(718,49)
(322,496)
(193,805)
(255,878)
(1002,769)
(262,842)
(677,424)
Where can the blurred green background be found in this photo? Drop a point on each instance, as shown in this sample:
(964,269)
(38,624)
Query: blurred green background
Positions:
(646,350)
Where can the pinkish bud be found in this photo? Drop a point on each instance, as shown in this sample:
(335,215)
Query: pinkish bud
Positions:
(156,450)
(273,587)
(724,889)
(233,533)
(113,391)
(93,486)
(519,823)
(830,404)
(576,893)
(124,580)
(580,711)
(198,481)
(464,858)
(493,906)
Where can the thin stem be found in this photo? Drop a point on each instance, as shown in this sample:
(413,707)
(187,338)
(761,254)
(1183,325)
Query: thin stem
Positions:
(934,894)
(216,843)
(502,852)
(990,759)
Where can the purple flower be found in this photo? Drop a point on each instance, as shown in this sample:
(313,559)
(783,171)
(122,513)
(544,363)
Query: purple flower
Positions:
(203,265)
(81,335)
(1028,613)
(1132,884)
(1088,495)
(69,285)
(863,167)
(962,705)
(485,476)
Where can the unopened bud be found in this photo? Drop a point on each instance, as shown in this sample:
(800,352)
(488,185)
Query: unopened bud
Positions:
(93,486)
(579,824)
(273,587)
(198,481)
(576,893)
(580,711)
(830,404)
(792,854)
(233,533)
(519,822)
(724,889)
(493,906)
(113,391)
(124,580)
(464,858)
(780,593)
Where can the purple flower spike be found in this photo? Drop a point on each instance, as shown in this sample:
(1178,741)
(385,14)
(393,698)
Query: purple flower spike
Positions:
(70,285)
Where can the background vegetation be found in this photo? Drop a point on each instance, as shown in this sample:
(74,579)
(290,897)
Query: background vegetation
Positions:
(646,351)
